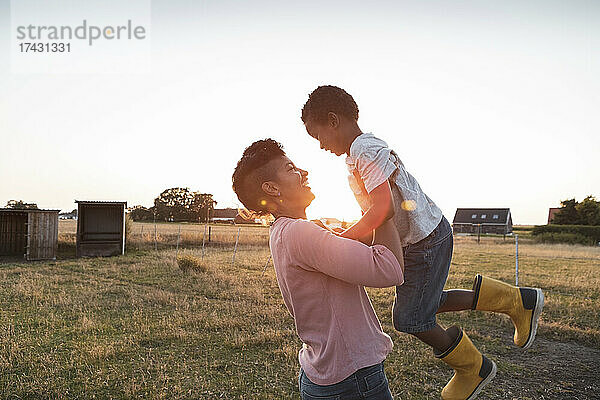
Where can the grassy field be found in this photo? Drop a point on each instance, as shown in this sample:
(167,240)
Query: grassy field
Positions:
(136,326)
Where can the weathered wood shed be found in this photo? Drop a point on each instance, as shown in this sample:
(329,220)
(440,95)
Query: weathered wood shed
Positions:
(100,228)
(30,233)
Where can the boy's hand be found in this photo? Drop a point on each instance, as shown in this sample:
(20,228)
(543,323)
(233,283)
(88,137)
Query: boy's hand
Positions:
(322,225)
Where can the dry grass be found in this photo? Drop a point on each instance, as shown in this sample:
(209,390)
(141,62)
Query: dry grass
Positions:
(137,326)
(188,262)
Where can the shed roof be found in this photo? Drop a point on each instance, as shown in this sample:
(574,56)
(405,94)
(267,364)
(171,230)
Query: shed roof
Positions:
(101,202)
(482,216)
(26,210)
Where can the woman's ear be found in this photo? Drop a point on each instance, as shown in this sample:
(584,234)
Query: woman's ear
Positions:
(271,188)
(333,119)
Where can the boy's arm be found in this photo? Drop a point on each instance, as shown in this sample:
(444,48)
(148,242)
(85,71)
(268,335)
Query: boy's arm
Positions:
(387,235)
(381,210)
(368,240)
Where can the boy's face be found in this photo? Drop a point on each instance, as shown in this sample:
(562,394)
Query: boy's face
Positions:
(327,134)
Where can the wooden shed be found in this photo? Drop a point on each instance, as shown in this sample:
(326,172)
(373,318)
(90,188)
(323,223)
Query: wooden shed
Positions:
(100,228)
(482,220)
(30,233)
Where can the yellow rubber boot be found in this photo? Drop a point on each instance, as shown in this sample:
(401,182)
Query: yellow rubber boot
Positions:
(472,370)
(522,305)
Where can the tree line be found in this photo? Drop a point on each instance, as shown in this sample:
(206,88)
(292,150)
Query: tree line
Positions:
(572,212)
(176,204)
(21,205)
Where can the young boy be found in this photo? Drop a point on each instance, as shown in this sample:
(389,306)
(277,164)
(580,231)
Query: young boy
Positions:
(384,190)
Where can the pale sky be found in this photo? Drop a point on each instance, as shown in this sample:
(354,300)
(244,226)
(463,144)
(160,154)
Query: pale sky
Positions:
(487,103)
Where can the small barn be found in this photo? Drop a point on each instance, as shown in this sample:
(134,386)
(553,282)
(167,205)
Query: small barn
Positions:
(100,228)
(482,220)
(30,233)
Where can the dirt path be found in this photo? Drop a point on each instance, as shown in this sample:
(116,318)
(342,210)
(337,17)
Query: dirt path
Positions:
(549,370)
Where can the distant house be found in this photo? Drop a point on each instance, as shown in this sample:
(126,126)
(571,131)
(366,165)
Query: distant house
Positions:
(69,215)
(224,215)
(242,219)
(551,213)
(233,216)
(482,220)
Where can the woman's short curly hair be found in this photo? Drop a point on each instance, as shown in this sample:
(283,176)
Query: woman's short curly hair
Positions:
(249,174)
(325,99)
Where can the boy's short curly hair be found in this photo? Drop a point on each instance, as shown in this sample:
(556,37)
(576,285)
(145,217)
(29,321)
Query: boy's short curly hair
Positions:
(325,99)
(249,174)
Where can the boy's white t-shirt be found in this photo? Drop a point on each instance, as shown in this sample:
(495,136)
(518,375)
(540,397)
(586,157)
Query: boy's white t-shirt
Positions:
(370,163)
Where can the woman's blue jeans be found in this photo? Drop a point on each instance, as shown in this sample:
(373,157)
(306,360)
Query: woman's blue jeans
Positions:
(369,383)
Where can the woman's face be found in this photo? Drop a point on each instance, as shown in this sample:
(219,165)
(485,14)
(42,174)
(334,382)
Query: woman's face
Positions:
(292,184)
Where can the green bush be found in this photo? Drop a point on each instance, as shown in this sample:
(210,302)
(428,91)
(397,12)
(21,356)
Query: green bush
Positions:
(563,237)
(581,234)
(521,228)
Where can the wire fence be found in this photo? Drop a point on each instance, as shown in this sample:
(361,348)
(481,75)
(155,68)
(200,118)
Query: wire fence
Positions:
(145,236)
(177,236)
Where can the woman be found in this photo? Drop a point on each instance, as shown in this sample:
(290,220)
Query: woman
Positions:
(322,277)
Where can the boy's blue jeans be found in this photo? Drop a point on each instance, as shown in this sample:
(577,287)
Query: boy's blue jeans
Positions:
(426,265)
(369,383)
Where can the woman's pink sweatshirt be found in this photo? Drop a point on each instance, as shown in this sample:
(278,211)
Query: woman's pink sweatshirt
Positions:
(322,278)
